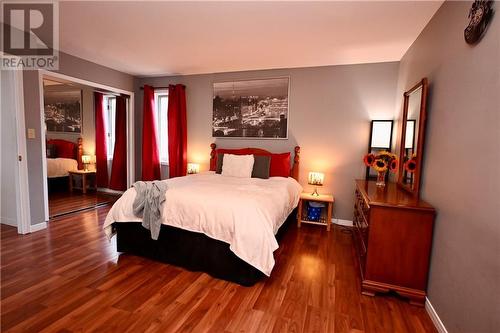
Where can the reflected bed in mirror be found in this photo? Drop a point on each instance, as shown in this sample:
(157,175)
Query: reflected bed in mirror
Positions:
(412,137)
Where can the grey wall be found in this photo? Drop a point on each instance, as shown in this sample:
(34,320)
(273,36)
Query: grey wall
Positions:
(461,165)
(75,67)
(330,112)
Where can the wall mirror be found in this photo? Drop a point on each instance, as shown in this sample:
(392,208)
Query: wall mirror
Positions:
(412,137)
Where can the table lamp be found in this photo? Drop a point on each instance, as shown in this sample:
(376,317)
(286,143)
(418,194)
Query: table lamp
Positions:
(316,179)
(193,168)
(86,162)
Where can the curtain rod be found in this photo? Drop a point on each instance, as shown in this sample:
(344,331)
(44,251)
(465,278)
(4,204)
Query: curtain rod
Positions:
(156,88)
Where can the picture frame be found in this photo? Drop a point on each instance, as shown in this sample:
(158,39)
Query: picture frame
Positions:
(63,110)
(251,109)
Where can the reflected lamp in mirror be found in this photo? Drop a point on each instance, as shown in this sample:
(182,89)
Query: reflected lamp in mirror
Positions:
(381,134)
(316,179)
(86,161)
(193,168)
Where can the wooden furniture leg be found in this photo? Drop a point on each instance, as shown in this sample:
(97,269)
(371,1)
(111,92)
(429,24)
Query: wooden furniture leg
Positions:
(329,216)
(84,183)
(299,214)
(70,178)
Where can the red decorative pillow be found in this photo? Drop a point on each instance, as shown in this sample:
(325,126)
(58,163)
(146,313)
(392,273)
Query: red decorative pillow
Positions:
(65,149)
(280,165)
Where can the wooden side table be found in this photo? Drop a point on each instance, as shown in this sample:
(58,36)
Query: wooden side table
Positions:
(86,180)
(326,214)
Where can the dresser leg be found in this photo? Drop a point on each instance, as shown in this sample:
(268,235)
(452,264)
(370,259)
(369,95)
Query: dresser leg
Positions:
(299,214)
(329,216)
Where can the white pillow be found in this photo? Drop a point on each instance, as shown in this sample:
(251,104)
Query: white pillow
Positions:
(237,165)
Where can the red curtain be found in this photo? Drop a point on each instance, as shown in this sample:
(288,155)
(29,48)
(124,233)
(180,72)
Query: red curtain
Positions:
(177,131)
(150,154)
(118,180)
(100,143)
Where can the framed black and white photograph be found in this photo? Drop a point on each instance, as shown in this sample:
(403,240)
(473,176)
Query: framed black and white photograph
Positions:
(63,110)
(251,109)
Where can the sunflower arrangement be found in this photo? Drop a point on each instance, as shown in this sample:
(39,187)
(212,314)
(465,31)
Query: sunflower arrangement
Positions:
(382,161)
(411,164)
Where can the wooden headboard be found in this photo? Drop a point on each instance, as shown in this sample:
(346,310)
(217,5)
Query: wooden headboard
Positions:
(77,149)
(294,171)
(79,153)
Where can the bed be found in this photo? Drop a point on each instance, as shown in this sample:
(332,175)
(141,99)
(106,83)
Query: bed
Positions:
(225,226)
(62,157)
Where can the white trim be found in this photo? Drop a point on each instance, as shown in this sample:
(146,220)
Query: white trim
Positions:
(23,198)
(84,82)
(38,227)
(345,223)
(434,317)
(8,221)
(44,149)
(130,143)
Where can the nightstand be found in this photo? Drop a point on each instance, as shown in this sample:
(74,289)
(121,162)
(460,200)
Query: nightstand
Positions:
(88,180)
(326,212)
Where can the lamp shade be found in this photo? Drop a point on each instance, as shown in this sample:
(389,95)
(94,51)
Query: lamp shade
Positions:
(193,168)
(316,178)
(381,134)
(86,159)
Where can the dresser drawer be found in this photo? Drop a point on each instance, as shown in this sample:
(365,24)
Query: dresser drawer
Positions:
(360,248)
(362,207)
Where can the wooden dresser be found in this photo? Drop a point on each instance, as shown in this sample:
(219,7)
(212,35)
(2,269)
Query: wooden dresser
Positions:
(393,238)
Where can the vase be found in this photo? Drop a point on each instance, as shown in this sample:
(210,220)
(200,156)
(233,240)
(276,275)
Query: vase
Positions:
(381,178)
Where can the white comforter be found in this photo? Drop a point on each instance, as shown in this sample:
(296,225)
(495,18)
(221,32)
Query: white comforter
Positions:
(60,167)
(243,212)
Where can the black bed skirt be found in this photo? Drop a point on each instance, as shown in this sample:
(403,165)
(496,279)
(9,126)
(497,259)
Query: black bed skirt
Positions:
(58,184)
(191,250)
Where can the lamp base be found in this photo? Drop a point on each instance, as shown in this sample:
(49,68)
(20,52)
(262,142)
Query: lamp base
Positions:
(315,193)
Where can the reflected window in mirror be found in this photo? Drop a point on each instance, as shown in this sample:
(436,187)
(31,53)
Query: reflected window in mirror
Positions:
(408,177)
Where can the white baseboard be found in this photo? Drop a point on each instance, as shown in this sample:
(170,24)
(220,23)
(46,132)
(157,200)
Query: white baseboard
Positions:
(434,317)
(8,221)
(38,226)
(344,223)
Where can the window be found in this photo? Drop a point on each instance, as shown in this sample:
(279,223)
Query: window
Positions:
(161,106)
(109,123)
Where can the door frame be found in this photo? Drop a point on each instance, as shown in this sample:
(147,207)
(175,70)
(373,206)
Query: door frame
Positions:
(22,193)
(130,127)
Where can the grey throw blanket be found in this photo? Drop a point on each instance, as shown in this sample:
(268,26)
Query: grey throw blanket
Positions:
(147,204)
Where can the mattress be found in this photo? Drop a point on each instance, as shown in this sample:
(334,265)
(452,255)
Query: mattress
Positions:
(245,213)
(60,167)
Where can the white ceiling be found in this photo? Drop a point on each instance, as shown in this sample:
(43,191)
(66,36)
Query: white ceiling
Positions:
(152,38)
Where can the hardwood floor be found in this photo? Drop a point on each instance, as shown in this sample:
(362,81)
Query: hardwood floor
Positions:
(66,202)
(69,278)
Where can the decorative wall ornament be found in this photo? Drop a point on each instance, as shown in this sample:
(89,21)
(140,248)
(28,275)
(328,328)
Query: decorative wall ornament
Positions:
(251,109)
(63,109)
(480,15)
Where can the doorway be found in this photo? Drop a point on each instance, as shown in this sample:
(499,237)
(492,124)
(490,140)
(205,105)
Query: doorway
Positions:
(70,175)
(14,198)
